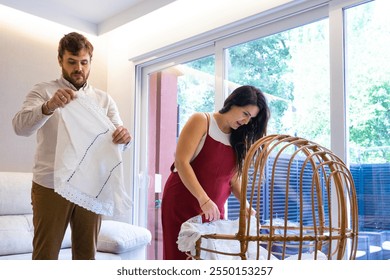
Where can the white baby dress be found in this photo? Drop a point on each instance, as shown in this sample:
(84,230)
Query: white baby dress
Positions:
(88,165)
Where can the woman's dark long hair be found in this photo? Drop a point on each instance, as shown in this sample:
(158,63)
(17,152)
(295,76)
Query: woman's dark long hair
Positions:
(244,136)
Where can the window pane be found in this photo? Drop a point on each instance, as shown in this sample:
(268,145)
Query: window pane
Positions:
(292,68)
(174,94)
(368,105)
(195,88)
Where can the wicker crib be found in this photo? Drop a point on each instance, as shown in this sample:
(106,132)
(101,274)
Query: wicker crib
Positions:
(305,204)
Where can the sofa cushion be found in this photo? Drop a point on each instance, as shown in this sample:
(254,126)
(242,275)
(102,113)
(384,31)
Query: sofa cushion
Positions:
(15,193)
(16,232)
(16,235)
(119,237)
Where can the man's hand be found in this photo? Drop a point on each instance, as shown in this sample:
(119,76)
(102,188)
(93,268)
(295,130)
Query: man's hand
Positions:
(60,98)
(121,135)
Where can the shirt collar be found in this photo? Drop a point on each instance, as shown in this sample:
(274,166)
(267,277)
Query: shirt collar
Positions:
(66,83)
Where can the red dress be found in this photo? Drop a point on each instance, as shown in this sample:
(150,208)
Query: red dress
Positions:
(214,167)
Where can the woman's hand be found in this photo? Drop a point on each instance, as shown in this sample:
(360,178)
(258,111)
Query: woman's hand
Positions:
(210,210)
(250,211)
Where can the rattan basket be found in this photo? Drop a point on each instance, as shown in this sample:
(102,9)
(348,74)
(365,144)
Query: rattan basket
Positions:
(305,203)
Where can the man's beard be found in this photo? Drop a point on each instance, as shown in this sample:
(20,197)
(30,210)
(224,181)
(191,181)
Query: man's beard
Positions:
(77,83)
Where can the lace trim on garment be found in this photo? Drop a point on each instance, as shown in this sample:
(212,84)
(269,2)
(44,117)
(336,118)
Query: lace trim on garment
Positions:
(90,177)
(84,200)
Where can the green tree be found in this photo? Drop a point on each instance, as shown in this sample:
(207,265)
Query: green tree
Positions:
(292,67)
(368,88)
(263,63)
(196,88)
(371,128)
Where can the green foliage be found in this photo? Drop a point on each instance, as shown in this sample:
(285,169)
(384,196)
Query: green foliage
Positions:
(368,86)
(292,68)
(262,63)
(196,88)
(371,128)
(205,64)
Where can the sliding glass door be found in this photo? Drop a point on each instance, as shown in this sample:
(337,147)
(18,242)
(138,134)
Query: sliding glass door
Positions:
(175,93)
(368,121)
(316,86)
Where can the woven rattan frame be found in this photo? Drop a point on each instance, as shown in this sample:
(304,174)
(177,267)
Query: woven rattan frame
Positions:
(333,232)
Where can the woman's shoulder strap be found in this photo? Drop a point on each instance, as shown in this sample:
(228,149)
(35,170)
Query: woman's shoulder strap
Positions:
(208,121)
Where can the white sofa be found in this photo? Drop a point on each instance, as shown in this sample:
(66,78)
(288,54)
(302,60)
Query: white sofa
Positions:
(116,241)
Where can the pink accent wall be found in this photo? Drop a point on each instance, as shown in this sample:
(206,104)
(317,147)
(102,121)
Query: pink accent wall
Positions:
(161,147)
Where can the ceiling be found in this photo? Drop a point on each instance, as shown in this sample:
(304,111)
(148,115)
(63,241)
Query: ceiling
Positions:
(90,16)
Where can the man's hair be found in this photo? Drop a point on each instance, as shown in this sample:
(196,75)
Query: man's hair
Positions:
(74,43)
